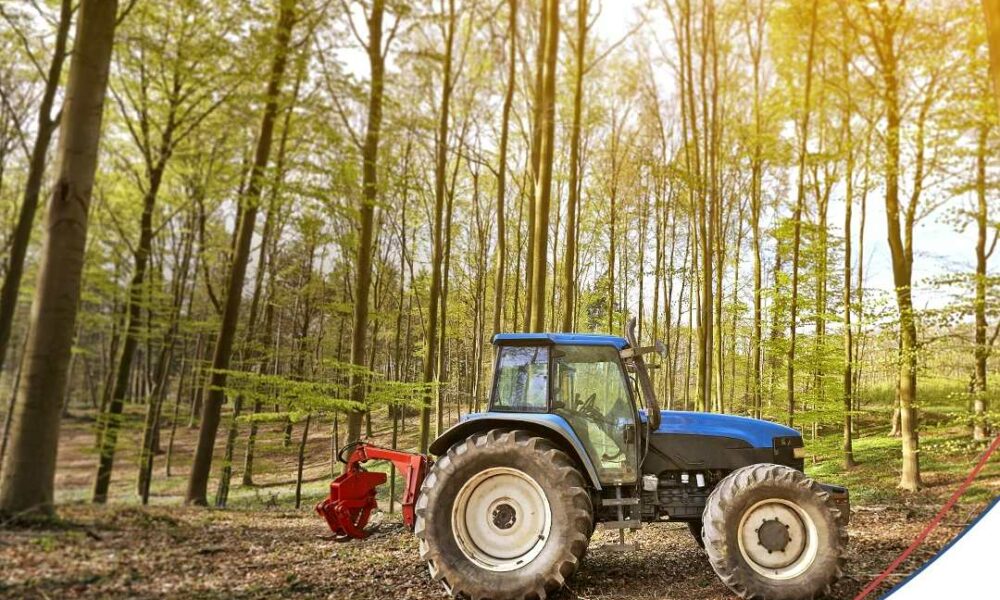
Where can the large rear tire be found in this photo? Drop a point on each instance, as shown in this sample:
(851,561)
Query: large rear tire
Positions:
(504,514)
(772,533)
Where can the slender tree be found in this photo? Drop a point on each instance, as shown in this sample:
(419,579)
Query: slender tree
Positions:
(437,253)
(28,473)
(569,260)
(754,25)
(369,170)
(543,190)
(500,262)
(212,407)
(980,428)
(797,214)
(46,126)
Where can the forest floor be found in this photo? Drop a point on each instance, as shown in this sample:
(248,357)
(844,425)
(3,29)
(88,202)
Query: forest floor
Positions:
(261,547)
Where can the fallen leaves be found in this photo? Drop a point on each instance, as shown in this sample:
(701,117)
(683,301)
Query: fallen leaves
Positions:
(189,552)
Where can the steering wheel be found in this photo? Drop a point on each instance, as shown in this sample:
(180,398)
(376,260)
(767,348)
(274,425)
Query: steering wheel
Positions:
(590,412)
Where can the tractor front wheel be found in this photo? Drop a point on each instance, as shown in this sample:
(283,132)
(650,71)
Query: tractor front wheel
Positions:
(772,533)
(504,514)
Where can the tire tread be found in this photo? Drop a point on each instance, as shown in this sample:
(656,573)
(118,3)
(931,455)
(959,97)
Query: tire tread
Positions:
(719,506)
(572,484)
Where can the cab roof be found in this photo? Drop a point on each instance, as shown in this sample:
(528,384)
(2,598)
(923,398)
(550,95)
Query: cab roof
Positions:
(578,339)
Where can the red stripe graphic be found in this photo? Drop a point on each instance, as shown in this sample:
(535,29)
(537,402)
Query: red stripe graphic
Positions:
(934,522)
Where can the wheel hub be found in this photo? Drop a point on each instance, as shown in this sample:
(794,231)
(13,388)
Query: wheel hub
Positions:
(778,539)
(501,519)
(773,535)
(504,516)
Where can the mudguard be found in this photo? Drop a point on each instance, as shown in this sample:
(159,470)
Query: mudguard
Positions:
(551,426)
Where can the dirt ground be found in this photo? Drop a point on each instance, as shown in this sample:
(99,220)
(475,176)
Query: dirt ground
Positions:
(260,547)
(100,552)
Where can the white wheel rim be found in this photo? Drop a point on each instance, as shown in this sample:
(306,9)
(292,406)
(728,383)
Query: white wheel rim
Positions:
(501,519)
(778,539)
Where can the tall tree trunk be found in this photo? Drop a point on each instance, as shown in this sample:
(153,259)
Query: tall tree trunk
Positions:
(369,170)
(154,407)
(848,205)
(211,410)
(822,271)
(201,357)
(266,263)
(716,235)
(28,474)
(441,161)
(859,290)
(735,310)
(902,265)
(776,330)
(797,216)
(442,355)
(535,155)
(479,301)
(980,430)
(670,361)
(755,43)
(33,187)
(676,345)
(706,225)
(612,235)
(543,191)
(508,99)
(569,260)
(848,331)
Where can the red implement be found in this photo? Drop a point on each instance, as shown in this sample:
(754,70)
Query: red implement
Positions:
(352,494)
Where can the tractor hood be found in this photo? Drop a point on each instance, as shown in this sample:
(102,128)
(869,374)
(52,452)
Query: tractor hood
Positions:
(756,432)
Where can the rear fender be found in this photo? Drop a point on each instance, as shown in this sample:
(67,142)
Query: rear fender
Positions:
(552,427)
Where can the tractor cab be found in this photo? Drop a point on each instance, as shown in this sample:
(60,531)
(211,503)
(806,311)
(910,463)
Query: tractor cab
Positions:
(580,379)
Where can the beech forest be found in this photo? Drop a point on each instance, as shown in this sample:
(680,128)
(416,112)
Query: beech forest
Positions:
(236,235)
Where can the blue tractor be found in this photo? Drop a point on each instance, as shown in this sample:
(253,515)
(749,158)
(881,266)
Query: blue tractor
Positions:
(574,439)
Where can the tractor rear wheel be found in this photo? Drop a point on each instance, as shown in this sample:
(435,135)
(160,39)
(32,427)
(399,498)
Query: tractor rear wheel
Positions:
(504,514)
(772,533)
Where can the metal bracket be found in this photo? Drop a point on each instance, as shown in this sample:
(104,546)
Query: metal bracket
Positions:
(658,348)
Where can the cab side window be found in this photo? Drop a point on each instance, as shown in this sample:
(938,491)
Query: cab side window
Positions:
(522,379)
(591,392)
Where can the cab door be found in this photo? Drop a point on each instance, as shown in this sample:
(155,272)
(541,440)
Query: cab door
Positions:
(591,392)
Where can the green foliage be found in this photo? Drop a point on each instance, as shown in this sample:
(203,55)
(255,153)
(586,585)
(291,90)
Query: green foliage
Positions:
(325,395)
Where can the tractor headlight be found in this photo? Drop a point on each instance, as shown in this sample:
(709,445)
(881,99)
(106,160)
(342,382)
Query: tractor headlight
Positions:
(789,450)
